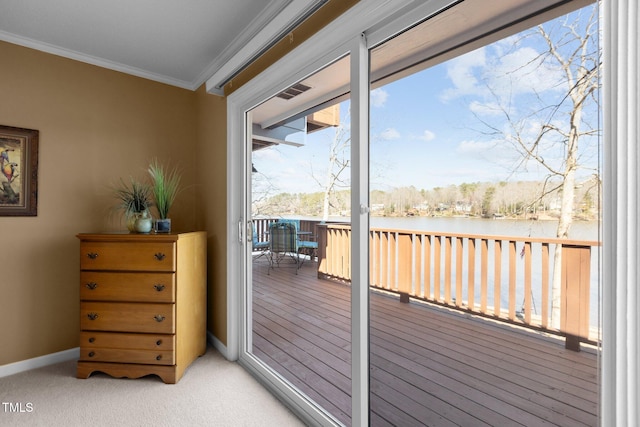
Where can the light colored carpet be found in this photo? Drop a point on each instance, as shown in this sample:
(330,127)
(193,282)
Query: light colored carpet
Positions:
(212,392)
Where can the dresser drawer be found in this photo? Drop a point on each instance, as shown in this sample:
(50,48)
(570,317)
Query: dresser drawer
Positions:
(142,287)
(127,317)
(127,256)
(127,341)
(147,357)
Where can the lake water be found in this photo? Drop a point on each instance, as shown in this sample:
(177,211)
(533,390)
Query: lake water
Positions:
(580,230)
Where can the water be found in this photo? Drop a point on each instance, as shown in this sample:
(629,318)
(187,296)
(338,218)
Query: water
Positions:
(580,230)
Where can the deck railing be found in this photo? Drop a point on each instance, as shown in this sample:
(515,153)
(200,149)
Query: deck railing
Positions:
(502,277)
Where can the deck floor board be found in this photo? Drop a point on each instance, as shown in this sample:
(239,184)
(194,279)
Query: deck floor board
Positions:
(429,365)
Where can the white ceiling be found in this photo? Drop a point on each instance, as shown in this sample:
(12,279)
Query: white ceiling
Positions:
(181,43)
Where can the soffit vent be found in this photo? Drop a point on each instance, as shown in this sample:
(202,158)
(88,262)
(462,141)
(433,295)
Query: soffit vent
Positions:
(293,91)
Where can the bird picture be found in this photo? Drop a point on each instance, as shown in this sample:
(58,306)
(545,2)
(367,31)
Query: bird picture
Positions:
(4,156)
(18,171)
(9,170)
(7,167)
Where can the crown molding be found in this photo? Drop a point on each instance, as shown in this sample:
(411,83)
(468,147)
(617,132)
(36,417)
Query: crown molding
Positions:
(271,32)
(92,60)
(277,16)
(273,9)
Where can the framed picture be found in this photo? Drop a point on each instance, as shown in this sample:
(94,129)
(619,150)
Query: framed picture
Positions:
(18,171)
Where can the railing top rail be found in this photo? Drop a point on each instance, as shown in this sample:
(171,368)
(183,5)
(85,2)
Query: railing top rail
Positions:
(334,224)
(551,240)
(573,242)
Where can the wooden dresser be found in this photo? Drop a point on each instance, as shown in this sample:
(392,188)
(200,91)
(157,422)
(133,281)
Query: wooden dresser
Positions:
(142,304)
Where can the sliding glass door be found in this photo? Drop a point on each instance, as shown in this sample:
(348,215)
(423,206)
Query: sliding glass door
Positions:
(485,215)
(403,260)
(300,324)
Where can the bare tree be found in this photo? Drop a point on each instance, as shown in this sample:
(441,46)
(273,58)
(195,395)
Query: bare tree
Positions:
(339,160)
(571,50)
(262,191)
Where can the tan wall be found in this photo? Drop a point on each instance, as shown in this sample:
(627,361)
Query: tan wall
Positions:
(212,194)
(95,126)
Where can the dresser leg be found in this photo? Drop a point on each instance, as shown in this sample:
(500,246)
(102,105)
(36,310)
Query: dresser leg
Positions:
(168,374)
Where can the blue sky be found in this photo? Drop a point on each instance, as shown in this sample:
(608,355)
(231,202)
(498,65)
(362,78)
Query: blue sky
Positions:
(426,129)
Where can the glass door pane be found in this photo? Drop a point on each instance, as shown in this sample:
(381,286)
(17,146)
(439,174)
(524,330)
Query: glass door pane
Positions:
(485,216)
(300,215)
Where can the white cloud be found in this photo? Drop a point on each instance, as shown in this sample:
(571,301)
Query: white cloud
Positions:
(461,73)
(522,71)
(507,73)
(389,134)
(268,155)
(427,135)
(508,43)
(378,97)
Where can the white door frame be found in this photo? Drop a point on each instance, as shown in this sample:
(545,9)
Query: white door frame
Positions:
(620,375)
(334,41)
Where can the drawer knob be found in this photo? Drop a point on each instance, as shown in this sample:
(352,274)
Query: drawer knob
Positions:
(159,256)
(91,285)
(91,354)
(159,342)
(159,287)
(159,317)
(92,255)
(159,357)
(92,339)
(92,316)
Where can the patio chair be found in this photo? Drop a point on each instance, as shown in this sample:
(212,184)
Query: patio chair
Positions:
(259,248)
(305,246)
(295,222)
(283,242)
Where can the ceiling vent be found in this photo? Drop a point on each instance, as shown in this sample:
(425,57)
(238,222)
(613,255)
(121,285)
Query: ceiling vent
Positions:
(293,91)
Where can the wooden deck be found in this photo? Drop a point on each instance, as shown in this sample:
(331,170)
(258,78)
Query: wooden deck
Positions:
(429,365)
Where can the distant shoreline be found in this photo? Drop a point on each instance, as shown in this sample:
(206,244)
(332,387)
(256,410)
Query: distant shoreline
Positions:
(530,217)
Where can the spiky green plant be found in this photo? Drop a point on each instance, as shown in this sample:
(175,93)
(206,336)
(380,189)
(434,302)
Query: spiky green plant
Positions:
(134,197)
(165,186)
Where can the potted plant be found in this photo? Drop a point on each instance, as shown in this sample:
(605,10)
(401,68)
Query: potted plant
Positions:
(165,185)
(135,199)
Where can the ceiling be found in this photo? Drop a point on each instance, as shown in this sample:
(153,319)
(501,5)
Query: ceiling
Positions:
(181,43)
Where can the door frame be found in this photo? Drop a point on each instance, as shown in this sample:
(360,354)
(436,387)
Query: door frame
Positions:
(621,235)
(336,40)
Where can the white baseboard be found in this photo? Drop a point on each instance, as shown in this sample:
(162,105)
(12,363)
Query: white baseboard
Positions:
(39,362)
(217,344)
(74,353)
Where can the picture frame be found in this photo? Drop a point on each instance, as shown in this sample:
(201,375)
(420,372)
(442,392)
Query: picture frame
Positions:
(18,171)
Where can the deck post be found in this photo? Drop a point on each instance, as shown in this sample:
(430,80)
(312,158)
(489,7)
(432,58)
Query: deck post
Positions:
(322,250)
(576,268)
